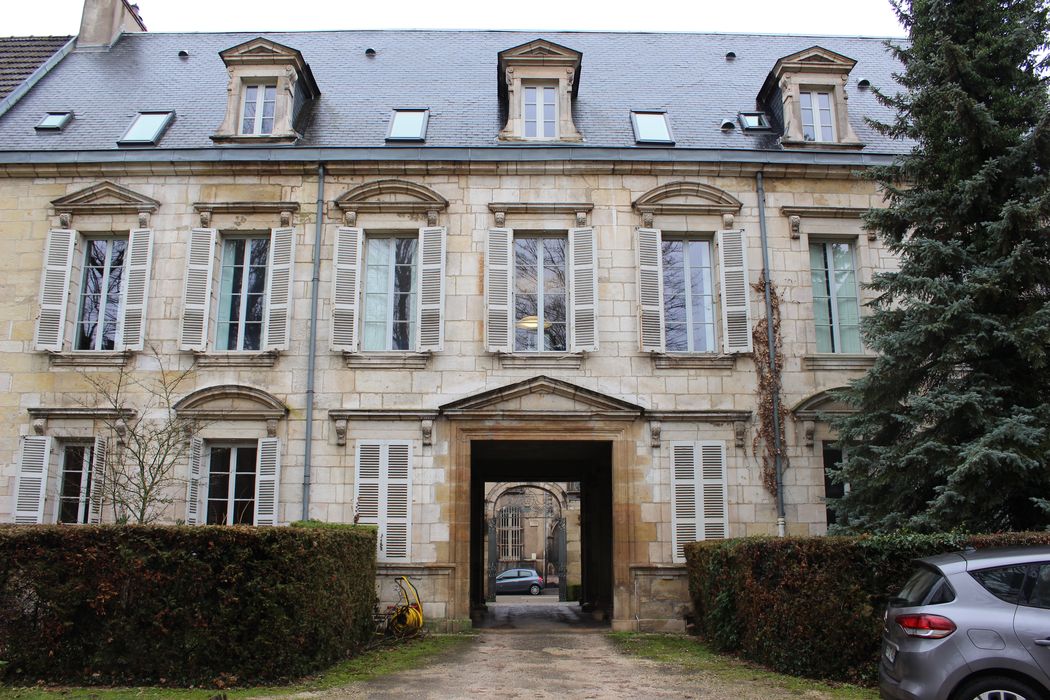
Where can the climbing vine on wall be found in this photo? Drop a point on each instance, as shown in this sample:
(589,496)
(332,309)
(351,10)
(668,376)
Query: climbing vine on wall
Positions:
(769,387)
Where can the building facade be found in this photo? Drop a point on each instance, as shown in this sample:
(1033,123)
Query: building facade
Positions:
(398,266)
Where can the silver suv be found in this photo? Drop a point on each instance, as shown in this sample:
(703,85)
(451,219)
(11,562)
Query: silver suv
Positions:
(971,625)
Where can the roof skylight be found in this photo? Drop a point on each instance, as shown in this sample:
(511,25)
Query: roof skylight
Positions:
(408,125)
(147,128)
(753,120)
(651,126)
(54,121)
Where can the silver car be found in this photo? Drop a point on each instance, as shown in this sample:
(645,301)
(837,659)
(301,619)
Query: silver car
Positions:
(971,625)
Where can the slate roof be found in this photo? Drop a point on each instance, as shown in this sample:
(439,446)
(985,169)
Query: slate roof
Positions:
(453,73)
(21,55)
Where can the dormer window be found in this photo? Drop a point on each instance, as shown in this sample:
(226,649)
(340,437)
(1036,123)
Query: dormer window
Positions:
(258,110)
(808,89)
(538,82)
(271,86)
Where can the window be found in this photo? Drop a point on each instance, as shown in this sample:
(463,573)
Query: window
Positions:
(112,296)
(402,290)
(255,291)
(817,122)
(147,128)
(383,494)
(676,293)
(408,125)
(651,127)
(925,587)
(511,544)
(100,294)
(239,482)
(54,121)
(1005,583)
(699,508)
(242,293)
(539,294)
(541,291)
(231,485)
(835,301)
(74,499)
(753,121)
(689,317)
(540,111)
(257,109)
(1040,595)
(833,458)
(390,293)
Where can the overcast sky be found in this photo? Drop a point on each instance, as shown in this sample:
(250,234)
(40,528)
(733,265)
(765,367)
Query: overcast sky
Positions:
(848,17)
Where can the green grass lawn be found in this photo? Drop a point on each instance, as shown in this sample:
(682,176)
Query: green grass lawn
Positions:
(689,654)
(371,664)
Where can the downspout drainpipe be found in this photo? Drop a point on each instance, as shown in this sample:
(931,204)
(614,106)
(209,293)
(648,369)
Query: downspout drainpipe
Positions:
(311,367)
(771,337)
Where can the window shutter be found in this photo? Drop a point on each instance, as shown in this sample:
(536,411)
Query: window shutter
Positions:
(713,489)
(383,494)
(34,459)
(431,305)
(683,490)
(346,288)
(650,290)
(54,289)
(193,483)
(267,481)
(698,485)
(498,274)
(280,275)
(736,291)
(196,293)
(98,479)
(583,290)
(135,297)
(398,501)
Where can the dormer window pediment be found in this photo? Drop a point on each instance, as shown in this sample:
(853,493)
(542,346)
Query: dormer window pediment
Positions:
(809,88)
(269,85)
(538,82)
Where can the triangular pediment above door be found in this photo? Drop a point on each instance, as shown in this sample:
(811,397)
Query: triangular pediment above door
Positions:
(541,397)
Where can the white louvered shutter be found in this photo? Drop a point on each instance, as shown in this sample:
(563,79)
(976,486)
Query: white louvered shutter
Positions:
(714,507)
(267,481)
(135,297)
(97,480)
(736,291)
(650,290)
(193,482)
(54,289)
(396,539)
(196,292)
(699,510)
(683,494)
(430,306)
(367,469)
(280,276)
(34,459)
(499,250)
(383,494)
(346,288)
(583,290)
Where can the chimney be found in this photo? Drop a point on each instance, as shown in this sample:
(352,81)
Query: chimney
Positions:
(104,21)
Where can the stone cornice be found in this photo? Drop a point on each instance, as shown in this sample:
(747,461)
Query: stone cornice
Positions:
(80,413)
(701,416)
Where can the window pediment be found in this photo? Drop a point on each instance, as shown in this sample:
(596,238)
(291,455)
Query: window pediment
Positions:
(821,405)
(815,59)
(391,196)
(537,82)
(230,402)
(542,397)
(686,198)
(104,198)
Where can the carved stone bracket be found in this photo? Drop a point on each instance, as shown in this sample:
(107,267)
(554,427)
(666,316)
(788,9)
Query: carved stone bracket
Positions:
(796,226)
(427,426)
(143,219)
(340,431)
(808,429)
(740,434)
(65,220)
(350,217)
(286,218)
(581,219)
(432,217)
(655,428)
(501,218)
(205,219)
(271,427)
(647,219)
(728,220)
(39,426)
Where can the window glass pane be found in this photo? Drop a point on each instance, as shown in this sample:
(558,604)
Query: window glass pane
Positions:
(100,294)
(824,101)
(54,120)
(1004,583)
(548,112)
(806,104)
(251,94)
(530,111)
(1040,596)
(408,124)
(390,301)
(652,126)
(146,127)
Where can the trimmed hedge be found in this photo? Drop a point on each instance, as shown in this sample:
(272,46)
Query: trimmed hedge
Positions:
(812,606)
(172,605)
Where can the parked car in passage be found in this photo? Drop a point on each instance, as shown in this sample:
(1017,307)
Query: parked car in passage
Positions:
(519,581)
(971,625)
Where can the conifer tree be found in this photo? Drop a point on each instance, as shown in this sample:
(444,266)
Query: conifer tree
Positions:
(952,428)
